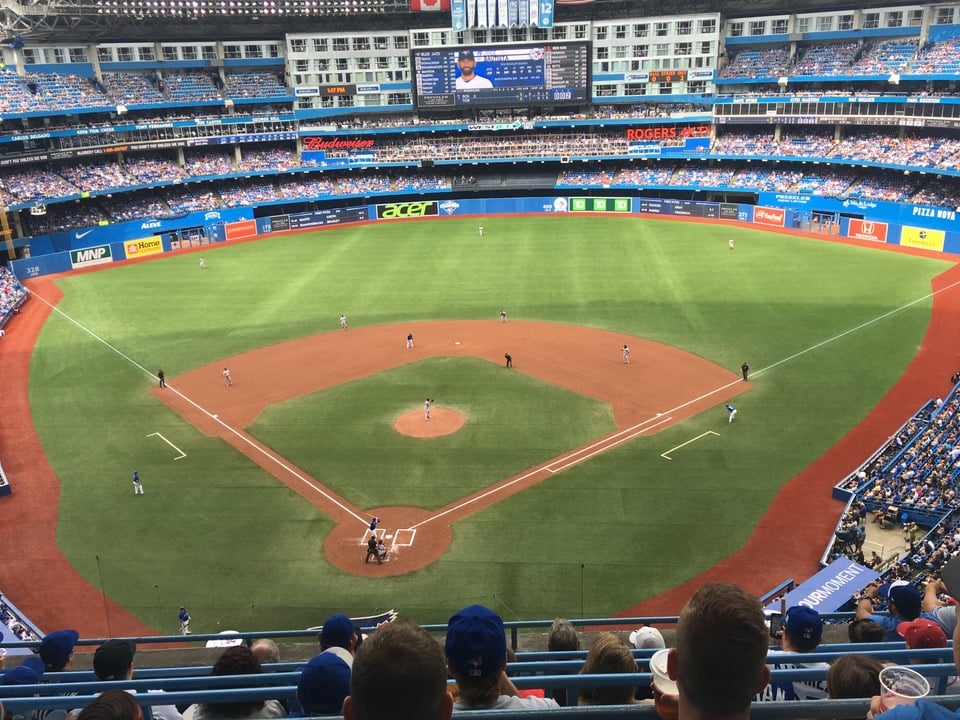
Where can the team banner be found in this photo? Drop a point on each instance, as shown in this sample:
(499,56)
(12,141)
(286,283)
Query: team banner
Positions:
(99,255)
(868,230)
(143,247)
(922,238)
(429,5)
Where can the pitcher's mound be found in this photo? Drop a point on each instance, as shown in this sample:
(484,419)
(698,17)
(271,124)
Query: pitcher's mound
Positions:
(441,422)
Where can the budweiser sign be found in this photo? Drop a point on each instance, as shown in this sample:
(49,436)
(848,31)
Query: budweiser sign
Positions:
(769,216)
(335,143)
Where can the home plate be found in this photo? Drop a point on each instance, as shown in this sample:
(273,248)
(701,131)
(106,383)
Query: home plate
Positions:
(456,342)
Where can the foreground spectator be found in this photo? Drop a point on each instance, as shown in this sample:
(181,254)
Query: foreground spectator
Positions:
(324,683)
(563,637)
(112,705)
(56,650)
(802,632)
(608,655)
(903,603)
(113,660)
(854,676)
(719,663)
(400,673)
(339,636)
(476,648)
(237,660)
(29,672)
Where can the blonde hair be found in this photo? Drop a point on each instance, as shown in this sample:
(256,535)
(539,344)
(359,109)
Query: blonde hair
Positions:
(609,654)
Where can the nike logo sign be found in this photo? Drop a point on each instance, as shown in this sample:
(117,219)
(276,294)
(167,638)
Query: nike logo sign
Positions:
(81,235)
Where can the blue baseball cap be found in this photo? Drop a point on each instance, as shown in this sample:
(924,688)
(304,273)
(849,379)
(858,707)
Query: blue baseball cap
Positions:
(324,683)
(803,623)
(29,672)
(337,631)
(476,643)
(465,55)
(56,648)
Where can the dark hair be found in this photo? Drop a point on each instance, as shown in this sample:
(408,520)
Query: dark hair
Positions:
(112,705)
(237,660)
(854,676)
(400,672)
(864,630)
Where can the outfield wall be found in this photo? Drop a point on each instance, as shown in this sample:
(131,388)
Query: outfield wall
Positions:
(878,221)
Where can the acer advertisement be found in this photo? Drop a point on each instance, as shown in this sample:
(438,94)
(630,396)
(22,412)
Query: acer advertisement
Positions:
(868,230)
(392,211)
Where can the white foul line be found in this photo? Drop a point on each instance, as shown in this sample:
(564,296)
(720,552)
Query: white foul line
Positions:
(667,456)
(159,435)
(270,456)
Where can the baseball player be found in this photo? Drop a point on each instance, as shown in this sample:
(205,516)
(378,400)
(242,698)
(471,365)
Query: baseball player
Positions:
(731,413)
(137,485)
(426,408)
(227,380)
(626,354)
(374,523)
(730,243)
(203,263)
(503,316)
(184,621)
(343,322)
(161,378)
(409,340)
(480,229)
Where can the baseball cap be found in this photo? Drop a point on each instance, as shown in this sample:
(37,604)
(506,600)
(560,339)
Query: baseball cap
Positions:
(324,683)
(476,644)
(465,55)
(29,672)
(646,637)
(803,623)
(56,647)
(922,633)
(337,631)
(113,658)
(907,599)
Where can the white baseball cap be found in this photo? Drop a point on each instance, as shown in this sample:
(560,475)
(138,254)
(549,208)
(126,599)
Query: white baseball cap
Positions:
(647,638)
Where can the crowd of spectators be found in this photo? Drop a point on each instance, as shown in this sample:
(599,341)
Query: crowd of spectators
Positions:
(750,63)
(885,57)
(12,294)
(939,57)
(253,85)
(132,88)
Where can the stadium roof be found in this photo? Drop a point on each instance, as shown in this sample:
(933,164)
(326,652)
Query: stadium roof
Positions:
(66,21)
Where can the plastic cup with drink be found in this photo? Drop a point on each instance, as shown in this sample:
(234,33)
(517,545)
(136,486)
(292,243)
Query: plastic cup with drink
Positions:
(901,686)
(666,699)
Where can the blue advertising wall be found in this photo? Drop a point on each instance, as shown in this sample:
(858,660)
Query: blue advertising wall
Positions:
(919,226)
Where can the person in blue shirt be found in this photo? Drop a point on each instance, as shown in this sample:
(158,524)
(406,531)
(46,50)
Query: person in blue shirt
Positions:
(137,485)
(731,412)
(184,621)
(903,603)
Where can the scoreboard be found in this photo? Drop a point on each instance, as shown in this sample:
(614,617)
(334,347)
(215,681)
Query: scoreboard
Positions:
(520,75)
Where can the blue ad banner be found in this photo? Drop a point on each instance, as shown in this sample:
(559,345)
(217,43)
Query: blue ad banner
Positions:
(830,588)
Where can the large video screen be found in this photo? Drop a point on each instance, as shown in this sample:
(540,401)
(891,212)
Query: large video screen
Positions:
(501,75)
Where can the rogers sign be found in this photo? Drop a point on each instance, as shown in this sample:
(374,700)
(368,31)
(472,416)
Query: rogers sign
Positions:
(320,143)
(668,133)
(868,230)
(769,216)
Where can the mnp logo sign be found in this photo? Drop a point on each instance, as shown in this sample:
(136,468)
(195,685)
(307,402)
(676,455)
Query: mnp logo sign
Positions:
(868,230)
(146,246)
(392,211)
(99,255)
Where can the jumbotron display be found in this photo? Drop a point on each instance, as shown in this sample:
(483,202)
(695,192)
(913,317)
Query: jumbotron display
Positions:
(501,75)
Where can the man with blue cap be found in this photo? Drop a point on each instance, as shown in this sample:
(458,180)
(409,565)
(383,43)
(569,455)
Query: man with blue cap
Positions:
(56,650)
(904,602)
(476,647)
(801,633)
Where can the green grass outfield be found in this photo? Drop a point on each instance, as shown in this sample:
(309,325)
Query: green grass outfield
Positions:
(219,534)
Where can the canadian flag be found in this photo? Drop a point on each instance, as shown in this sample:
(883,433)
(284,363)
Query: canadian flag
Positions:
(429,5)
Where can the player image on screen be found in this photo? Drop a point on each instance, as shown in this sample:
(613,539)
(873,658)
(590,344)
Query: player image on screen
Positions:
(468,78)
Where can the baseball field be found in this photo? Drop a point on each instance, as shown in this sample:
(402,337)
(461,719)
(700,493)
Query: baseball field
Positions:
(577,485)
